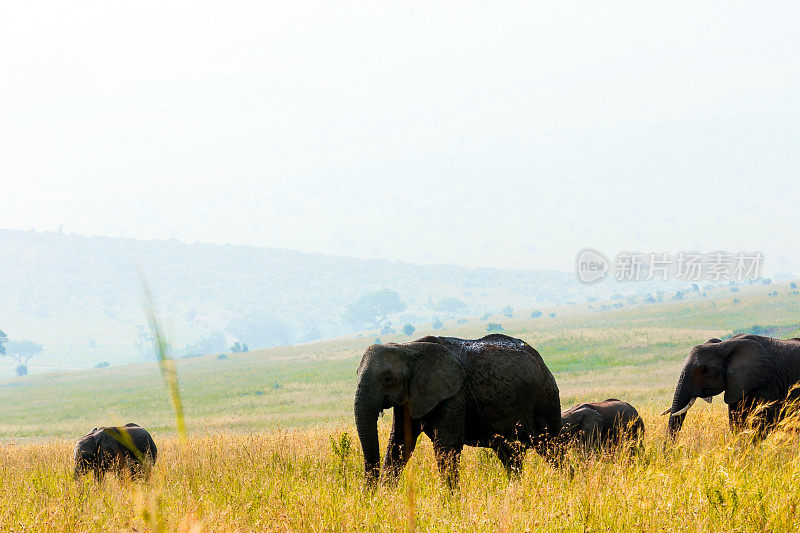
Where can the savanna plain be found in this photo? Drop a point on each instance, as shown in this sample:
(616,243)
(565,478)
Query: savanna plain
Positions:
(272,446)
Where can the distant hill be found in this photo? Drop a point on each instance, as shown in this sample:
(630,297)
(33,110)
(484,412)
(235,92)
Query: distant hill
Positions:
(82,298)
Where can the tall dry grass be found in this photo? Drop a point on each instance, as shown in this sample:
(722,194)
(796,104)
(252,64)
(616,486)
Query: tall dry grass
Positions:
(311,480)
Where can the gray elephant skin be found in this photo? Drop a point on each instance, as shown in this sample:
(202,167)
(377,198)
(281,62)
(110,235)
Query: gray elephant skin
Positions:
(750,369)
(129,448)
(607,423)
(493,392)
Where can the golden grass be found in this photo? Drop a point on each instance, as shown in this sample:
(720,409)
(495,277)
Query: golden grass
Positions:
(310,480)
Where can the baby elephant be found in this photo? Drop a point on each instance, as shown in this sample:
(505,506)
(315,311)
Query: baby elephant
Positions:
(119,449)
(597,424)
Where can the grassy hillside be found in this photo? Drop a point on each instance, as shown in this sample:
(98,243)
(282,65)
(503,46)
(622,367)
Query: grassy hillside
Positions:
(632,353)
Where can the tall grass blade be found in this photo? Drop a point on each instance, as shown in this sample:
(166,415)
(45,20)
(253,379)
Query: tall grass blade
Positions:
(165,364)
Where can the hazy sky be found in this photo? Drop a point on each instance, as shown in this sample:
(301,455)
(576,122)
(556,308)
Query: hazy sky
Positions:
(455,132)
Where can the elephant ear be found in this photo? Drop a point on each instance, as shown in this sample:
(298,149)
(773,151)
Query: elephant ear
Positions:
(436,375)
(591,421)
(747,369)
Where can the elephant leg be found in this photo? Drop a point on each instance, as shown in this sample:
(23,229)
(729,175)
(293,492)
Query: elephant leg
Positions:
(136,469)
(511,454)
(768,418)
(447,458)
(545,439)
(402,441)
(752,413)
(737,416)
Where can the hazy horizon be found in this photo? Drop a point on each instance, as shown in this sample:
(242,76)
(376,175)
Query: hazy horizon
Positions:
(456,134)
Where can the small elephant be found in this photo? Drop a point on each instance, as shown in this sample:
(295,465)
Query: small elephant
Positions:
(606,423)
(750,369)
(495,392)
(118,449)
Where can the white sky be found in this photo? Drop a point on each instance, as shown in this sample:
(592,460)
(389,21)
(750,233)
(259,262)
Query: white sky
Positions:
(458,132)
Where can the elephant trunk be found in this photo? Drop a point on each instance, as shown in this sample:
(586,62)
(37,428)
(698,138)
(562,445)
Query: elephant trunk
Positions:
(367,427)
(683,399)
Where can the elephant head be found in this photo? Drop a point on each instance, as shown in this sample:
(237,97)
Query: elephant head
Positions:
(89,453)
(735,366)
(583,424)
(419,374)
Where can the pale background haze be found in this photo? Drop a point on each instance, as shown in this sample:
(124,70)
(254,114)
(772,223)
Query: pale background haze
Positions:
(456,132)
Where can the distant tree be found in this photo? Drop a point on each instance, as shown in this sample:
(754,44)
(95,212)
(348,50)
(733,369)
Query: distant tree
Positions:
(239,347)
(461,321)
(22,352)
(793,285)
(493,326)
(507,311)
(374,308)
(536,314)
(102,364)
(408,329)
(552,315)
(437,324)
(144,344)
(387,329)
(3,341)
(449,306)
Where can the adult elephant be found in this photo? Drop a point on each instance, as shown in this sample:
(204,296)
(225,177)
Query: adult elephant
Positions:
(493,392)
(606,423)
(751,370)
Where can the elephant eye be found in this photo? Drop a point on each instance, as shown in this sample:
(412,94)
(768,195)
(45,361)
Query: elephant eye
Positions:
(388,380)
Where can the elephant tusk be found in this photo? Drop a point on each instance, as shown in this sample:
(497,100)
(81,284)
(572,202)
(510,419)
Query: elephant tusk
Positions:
(708,399)
(688,405)
(666,411)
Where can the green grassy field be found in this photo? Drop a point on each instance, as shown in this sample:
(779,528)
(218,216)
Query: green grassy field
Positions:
(260,453)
